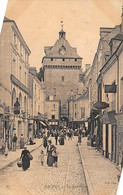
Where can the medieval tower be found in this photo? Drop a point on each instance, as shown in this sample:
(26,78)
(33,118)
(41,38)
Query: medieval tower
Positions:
(62,66)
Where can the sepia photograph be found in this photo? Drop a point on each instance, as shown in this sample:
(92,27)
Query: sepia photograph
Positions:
(61,97)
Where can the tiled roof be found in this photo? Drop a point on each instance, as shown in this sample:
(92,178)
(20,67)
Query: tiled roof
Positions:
(54,51)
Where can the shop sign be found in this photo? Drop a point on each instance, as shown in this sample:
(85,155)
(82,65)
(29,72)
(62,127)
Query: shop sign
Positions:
(110,88)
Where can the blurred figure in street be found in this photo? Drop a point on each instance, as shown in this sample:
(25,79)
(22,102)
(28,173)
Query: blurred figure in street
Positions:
(50,158)
(79,139)
(25,159)
(56,136)
(48,134)
(14,142)
(42,157)
(55,155)
(21,141)
(3,147)
(44,141)
(31,142)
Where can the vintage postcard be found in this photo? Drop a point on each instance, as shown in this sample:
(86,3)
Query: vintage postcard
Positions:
(61,97)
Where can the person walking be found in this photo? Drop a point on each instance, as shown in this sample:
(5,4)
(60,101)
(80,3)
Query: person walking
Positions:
(44,141)
(55,155)
(79,139)
(42,157)
(14,142)
(56,136)
(21,141)
(25,159)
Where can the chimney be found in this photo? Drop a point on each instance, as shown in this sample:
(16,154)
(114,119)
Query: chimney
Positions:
(122,20)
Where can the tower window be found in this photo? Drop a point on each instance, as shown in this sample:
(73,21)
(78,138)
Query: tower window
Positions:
(75,59)
(62,78)
(63,59)
(53,116)
(51,59)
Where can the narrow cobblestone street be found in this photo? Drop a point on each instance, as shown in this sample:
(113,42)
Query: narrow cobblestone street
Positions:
(67,178)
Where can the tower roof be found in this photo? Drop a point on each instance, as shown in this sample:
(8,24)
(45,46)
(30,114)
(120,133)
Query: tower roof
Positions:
(61,49)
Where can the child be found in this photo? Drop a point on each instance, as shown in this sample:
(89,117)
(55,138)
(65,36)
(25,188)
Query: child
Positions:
(42,157)
(55,155)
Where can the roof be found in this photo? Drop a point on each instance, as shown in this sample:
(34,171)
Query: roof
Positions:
(54,51)
(85,95)
(18,31)
(7,19)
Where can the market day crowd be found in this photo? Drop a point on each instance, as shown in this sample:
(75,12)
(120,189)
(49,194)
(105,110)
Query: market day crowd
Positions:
(50,150)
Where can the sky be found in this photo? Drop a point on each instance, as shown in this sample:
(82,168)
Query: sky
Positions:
(39,23)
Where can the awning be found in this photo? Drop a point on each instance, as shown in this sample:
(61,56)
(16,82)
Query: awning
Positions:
(95,130)
(43,123)
(47,124)
(101,105)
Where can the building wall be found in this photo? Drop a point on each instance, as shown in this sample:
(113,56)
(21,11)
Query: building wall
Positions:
(52,108)
(38,97)
(81,108)
(14,66)
(5,61)
(108,78)
(53,80)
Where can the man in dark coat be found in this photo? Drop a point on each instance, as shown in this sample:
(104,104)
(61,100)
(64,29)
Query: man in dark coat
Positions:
(56,136)
(14,142)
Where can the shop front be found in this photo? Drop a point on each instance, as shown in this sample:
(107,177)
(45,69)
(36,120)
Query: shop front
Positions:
(109,135)
(119,134)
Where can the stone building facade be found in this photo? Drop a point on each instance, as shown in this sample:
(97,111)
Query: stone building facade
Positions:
(14,70)
(37,102)
(62,66)
(52,108)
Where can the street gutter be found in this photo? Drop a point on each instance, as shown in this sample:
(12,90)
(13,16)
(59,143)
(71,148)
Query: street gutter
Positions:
(87,178)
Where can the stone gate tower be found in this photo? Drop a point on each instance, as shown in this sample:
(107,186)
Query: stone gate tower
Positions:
(62,66)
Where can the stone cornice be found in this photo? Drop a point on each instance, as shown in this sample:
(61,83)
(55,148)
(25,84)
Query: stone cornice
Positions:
(61,67)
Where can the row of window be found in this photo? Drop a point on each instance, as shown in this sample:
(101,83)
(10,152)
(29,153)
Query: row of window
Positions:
(37,92)
(59,66)
(20,72)
(82,113)
(18,46)
(53,123)
(63,59)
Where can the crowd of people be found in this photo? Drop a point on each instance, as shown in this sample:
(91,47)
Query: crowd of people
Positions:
(50,151)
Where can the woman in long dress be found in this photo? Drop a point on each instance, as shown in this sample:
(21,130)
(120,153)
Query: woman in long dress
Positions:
(25,159)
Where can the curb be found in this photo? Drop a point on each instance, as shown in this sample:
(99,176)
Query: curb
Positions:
(11,163)
(89,185)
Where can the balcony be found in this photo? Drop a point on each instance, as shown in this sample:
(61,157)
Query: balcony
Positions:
(19,84)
